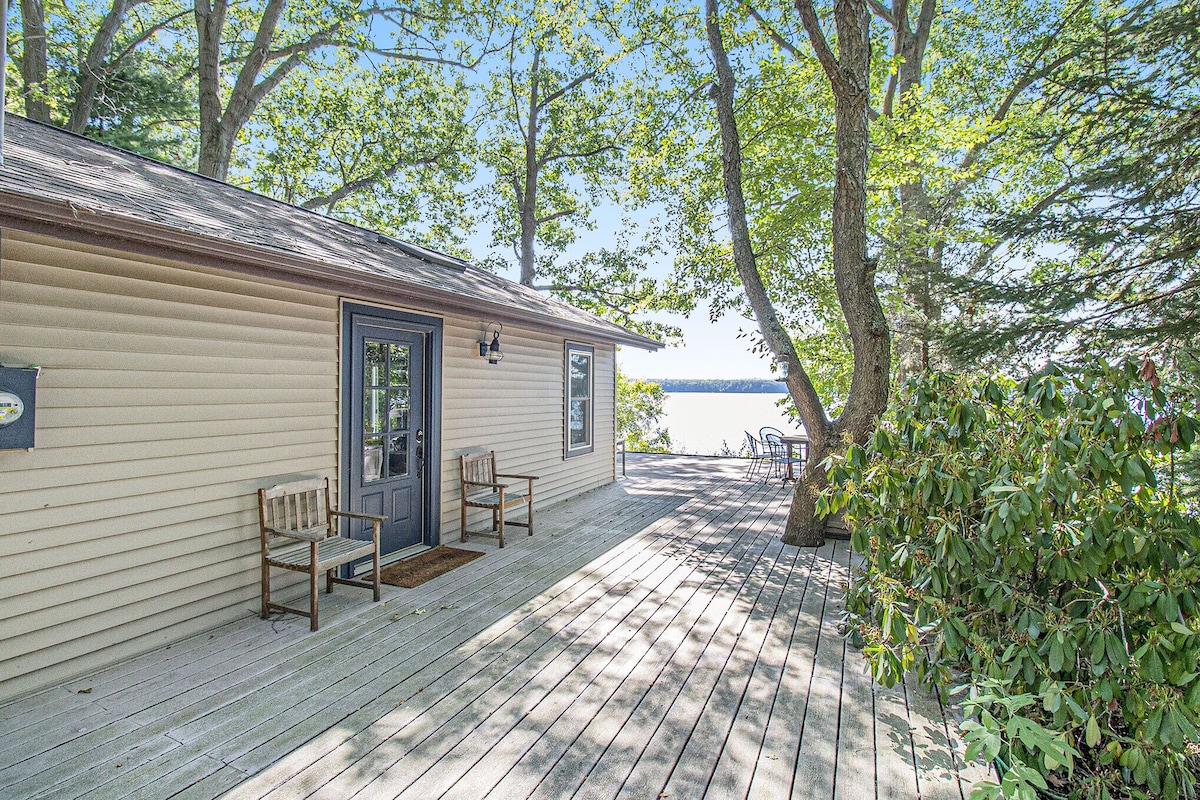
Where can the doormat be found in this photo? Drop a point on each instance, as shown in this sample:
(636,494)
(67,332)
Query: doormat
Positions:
(428,565)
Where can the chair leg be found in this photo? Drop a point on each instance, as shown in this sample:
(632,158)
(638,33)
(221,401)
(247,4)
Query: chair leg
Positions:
(329,581)
(312,589)
(499,515)
(266,589)
(375,572)
(529,502)
(463,516)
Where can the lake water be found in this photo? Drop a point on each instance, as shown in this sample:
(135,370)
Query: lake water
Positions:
(704,423)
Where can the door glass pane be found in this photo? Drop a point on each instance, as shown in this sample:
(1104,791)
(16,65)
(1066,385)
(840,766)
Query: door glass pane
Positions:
(397,462)
(374,410)
(398,375)
(398,410)
(372,458)
(374,364)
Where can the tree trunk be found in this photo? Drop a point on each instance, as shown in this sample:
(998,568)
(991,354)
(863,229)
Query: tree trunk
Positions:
(853,270)
(34,71)
(219,126)
(919,258)
(92,70)
(210,21)
(527,194)
(803,528)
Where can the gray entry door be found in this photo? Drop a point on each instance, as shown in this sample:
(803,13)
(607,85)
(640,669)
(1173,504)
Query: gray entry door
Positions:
(387,429)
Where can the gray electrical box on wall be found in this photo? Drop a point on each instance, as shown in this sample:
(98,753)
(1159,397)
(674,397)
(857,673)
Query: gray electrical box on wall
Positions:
(18,395)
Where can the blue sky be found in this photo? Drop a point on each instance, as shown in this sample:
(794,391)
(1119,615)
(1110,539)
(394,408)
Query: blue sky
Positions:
(709,349)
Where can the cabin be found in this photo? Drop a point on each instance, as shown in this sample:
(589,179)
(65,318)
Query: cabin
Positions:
(188,342)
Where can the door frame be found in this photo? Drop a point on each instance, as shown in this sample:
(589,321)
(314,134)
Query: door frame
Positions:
(431,485)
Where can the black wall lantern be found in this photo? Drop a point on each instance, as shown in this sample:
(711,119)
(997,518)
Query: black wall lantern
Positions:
(491,351)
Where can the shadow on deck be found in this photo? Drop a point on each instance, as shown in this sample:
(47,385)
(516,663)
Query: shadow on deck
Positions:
(654,639)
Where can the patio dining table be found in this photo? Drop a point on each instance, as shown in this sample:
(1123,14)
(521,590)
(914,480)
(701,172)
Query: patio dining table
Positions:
(790,440)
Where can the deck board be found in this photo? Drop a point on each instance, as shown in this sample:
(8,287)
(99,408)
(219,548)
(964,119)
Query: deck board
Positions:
(655,638)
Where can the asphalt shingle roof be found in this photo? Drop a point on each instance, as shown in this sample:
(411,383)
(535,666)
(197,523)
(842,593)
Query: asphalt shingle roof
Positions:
(83,183)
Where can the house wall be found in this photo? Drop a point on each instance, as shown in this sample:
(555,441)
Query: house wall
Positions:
(169,395)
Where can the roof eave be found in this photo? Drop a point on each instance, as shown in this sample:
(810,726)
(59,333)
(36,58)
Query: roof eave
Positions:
(37,215)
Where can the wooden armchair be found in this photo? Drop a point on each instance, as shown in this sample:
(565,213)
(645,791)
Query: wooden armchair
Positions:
(482,489)
(299,531)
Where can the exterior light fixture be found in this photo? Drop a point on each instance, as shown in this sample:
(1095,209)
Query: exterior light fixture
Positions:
(781,368)
(491,351)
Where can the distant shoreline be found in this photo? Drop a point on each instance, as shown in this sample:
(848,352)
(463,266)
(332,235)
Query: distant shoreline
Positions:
(719,386)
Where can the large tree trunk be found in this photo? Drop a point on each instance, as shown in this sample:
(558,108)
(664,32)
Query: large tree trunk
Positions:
(219,127)
(803,528)
(34,71)
(210,22)
(92,70)
(527,193)
(854,272)
(919,256)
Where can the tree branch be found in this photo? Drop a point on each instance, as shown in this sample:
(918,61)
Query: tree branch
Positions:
(820,44)
(775,36)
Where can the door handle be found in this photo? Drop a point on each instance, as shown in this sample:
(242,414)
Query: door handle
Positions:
(420,452)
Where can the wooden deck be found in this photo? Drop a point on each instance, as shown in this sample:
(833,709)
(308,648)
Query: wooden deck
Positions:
(655,639)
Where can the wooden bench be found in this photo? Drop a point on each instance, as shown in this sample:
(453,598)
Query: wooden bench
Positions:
(299,531)
(481,488)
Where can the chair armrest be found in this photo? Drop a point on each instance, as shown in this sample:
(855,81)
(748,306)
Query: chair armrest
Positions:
(355,515)
(487,485)
(308,535)
(522,477)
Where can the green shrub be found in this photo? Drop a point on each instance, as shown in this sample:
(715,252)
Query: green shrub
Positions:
(1027,542)
(639,409)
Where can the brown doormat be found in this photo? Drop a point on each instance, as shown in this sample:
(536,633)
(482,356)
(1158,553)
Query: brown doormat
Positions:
(428,565)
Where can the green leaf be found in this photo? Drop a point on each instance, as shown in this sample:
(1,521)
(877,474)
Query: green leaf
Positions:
(1091,734)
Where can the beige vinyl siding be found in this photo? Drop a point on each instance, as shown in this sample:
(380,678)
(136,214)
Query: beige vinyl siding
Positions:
(516,408)
(168,395)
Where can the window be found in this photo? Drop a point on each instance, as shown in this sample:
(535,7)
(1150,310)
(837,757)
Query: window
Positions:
(579,389)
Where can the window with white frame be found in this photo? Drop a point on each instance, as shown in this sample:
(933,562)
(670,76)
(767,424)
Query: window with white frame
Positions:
(580,379)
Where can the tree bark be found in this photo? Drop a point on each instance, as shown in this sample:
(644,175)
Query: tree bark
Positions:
(920,263)
(219,126)
(34,70)
(92,70)
(803,527)
(527,194)
(854,271)
(210,22)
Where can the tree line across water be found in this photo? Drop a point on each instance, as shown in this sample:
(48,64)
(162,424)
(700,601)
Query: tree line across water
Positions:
(721,385)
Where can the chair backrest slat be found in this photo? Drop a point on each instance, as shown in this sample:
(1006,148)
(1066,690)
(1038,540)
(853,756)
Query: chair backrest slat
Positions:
(479,468)
(298,505)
